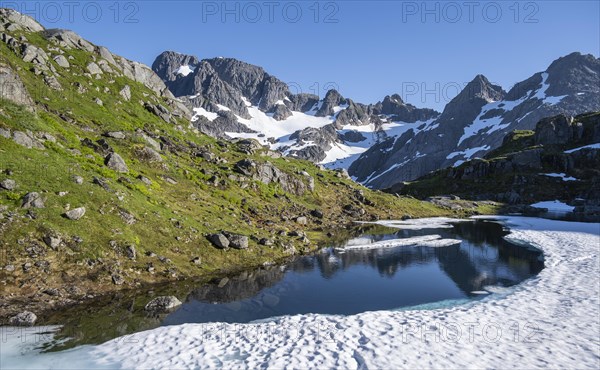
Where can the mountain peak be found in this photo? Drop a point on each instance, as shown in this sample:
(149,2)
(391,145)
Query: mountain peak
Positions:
(168,65)
(480,88)
(573,60)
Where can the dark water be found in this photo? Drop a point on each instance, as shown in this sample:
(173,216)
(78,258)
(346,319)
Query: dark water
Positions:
(352,281)
(331,282)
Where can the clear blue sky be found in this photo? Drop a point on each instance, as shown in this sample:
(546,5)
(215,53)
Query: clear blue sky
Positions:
(366,48)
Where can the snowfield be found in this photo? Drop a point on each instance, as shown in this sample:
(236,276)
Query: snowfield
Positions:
(550,321)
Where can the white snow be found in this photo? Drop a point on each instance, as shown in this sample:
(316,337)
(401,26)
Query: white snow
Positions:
(541,93)
(563,176)
(419,223)
(554,206)
(426,240)
(184,70)
(489,125)
(591,146)
(265,125)
(203,112)
(549,321)
(468,153)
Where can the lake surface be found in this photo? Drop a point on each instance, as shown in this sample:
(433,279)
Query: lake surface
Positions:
(349,281)
(338,280)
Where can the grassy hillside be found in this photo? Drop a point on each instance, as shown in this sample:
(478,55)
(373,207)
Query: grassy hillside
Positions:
(162,207)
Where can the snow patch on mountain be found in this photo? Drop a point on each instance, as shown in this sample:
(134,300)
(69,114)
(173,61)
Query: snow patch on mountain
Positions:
(562,176)
(204,113)
(184,70)
(468,153)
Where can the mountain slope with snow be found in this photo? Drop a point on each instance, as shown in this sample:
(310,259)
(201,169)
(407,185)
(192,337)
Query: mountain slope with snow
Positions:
(476,121)
(379,144)
(233,99)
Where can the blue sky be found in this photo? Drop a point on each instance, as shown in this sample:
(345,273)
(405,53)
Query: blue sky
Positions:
(424,51)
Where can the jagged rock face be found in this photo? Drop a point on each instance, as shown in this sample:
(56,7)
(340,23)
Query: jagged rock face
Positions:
(68,39)
(321,139)
(12,20)
(225,122)
(394,105)
(551,163)
(332,99)
(557,131)
(168,66)
(223,81)
(467,104)
(355,114)
(267,173)
(476,121)
(226,93)
(302,102)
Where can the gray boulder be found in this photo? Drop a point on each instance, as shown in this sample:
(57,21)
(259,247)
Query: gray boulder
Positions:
(126,93)
(115,162)
(12,88)
(75,214)
(25,318)
(115,135)
(33,200)
(62,61)
(237,241)
(219,240)
(8,184)
(94,69)
(27,140)
(149,155)
(130,252)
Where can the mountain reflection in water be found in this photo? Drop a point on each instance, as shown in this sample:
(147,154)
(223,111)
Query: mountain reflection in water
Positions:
(338,281)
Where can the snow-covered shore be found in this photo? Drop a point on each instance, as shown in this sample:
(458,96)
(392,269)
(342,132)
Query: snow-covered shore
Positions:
(552,320)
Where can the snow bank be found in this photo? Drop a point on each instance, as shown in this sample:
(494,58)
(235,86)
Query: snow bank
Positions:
(426,241)
(419,223)
(552,320)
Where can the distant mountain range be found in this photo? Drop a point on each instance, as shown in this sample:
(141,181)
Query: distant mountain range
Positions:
(380,144)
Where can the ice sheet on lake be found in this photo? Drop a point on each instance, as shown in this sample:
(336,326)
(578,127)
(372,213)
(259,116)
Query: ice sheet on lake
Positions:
(420,223)
(552,320)
(432,241)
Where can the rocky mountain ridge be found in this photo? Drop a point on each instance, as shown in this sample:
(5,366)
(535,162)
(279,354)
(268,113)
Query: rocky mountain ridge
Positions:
(235,99)
(559,161)
(383,143)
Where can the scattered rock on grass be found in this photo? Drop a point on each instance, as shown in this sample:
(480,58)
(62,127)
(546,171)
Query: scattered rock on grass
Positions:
(75,214)
(33,200)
